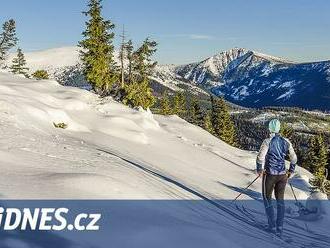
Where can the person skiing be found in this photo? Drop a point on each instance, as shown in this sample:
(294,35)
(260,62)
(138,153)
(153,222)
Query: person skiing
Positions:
(271,166)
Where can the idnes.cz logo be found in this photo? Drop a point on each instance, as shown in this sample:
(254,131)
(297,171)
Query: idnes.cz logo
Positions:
(46,219)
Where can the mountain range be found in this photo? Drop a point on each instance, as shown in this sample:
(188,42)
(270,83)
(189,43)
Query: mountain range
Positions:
(253,79)
(244,77)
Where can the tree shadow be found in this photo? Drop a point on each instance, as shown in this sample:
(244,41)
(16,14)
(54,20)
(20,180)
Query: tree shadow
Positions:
(251,193)
(230,161)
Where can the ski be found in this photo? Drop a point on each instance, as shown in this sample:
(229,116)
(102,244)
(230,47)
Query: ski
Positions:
(300,240)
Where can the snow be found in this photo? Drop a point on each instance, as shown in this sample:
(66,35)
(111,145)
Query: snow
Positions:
(210,70)
(264,117)
(266,71)
(240,93)
(166,75)
(317,113)
(29,108)
(272,58)
(219,62)
(50,59)
(244,91)
(110,151)
(286,95)
(287,84)
(328,74)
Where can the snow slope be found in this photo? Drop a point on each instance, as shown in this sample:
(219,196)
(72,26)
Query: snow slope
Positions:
(29,109)
(50,59)
(110,151)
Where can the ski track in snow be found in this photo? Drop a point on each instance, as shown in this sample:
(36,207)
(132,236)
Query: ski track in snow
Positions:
(301,238)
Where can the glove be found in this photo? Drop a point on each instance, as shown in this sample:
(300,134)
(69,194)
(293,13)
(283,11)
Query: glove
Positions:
(260,173)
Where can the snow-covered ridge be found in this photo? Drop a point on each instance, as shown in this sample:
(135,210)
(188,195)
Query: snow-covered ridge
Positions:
(213,66)
(30,108)
(273,58)
(209,73)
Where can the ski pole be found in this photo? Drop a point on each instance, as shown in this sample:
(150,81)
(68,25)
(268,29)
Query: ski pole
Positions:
(294,194)
(298,204)
(243,191)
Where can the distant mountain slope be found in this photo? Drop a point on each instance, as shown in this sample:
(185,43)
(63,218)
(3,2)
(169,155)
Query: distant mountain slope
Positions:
(210,71)
(51,59)
(62,64)
(253,79)
(277,84)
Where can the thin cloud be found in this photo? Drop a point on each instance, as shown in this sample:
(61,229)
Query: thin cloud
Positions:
(200,37)
(191,36)
(281,43)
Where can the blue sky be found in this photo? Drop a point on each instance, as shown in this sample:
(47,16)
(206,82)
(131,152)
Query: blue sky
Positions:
(187,30)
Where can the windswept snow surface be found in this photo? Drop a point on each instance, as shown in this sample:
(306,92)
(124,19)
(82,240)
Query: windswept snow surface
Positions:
(110,151)
(50,59)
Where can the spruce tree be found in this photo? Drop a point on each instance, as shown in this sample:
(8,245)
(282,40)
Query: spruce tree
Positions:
(196,114)
(19,64)
(179,107)
(165,106)
(317,156)
(138,92)
(142,63)
(8,38)
(221,121)
(97,51)
(208,122)
(287,131)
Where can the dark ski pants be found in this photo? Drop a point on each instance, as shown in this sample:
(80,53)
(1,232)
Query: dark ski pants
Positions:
(271,183)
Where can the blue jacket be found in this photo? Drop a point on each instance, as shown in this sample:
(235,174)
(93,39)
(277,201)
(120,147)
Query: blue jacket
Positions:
(272,154)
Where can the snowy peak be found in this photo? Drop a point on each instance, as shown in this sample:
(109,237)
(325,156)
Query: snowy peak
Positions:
(271,58)
(218,63)
(211,69)
(253,58)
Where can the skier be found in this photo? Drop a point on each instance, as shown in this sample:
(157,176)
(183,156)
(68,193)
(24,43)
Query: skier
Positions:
(271,166)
